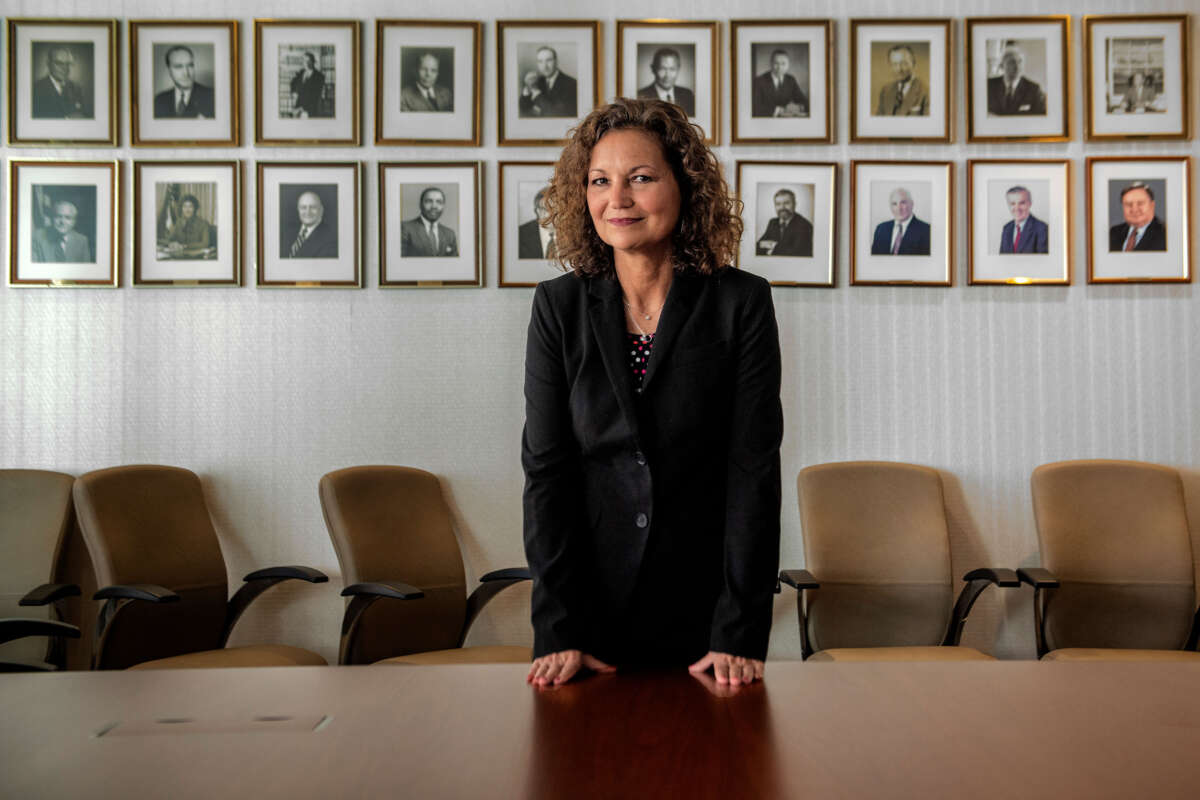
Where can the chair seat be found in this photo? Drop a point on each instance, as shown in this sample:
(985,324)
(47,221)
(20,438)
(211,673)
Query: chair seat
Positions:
(498,654)
(1115,654)
(262,655)
(936,653)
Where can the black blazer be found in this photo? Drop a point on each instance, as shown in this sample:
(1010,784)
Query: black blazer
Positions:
(201,103)
(914,243)
(1155,237)
(652,520)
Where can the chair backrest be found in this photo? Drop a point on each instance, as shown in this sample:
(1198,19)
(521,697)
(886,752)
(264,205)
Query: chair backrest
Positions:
(875,537)
(392,524)
(1115,534)
(150,524)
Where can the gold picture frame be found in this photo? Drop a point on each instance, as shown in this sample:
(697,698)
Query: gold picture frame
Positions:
(924,254)
(402,109)
(210,47)
(1008,243)
(44,109)
(886,107)
(641,43)
(301,65)
(795,108)
(801,250)
(531,113)
(526,258)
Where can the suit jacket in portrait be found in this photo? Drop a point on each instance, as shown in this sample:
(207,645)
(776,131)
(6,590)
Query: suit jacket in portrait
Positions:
(49,104)
(415,242)
(1028,98)
(915,102)
(1135,102)
(559,101)
(201,104)
(321,242)
(308,93)
(1155,237)
(651,520)
(529,240)
(49,247)
(413,99)
(914,243)
(766,97)
(794,240)
(684,98)
(194,232)
(1035,237)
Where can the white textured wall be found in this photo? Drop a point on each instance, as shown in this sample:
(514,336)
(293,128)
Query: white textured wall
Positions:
(263,391)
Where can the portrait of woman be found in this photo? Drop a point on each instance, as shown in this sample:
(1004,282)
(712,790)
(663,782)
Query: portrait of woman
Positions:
(653,419)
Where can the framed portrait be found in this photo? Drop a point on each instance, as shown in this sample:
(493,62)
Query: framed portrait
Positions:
(187,219)
(547,79)
(306,82)
(62,222)
(309,227)
(782,77)
(183,83)
(900,80)
(901,231)
(430,224)
(1135,77)
(62,81)
(675,61)
(1019,221)
(526,244)
(789,210)
(1139,219)
(427,82)
(1018,79)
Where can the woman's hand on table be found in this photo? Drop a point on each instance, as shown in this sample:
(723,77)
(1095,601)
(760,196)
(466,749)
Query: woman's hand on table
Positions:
(730,669)
(554,669)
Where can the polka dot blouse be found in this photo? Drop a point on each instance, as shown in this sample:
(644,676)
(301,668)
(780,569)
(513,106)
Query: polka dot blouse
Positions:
(640,346)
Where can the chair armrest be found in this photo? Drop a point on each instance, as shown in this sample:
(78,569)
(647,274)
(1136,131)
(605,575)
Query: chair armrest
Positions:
(509,573)
(1038,578)
(258,582)
(47,593)
(798,579)
(20,627)
(997,575)
(150,592)
(393,589)
(363,596)
(977,580)
(490,585)
(284,573)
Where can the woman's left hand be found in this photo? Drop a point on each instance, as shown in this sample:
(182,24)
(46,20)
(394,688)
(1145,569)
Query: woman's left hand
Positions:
(734,670)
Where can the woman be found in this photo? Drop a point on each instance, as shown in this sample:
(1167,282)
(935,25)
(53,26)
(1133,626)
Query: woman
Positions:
(190,230)
(653,421)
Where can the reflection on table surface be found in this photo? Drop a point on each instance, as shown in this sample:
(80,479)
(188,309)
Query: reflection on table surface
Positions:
(174,251)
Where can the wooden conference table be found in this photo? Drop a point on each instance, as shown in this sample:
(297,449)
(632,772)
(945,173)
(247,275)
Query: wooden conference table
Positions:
(1003,729)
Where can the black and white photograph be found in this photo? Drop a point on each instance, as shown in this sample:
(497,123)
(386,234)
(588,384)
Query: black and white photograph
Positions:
(901,231)
(61,82)
(186,217)
(62,229)
(1018,225)
(309,224)
(306,82)
(427,76)
(548,79)
(1136,77)
(900,80)
(675,62)
(527,251)
(184,82)
(430,224)
(1017,71)
(1139,219)
(788,210)
(781,71)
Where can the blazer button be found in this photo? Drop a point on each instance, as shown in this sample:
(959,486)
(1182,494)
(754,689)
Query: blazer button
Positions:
(641,520)
(640,458)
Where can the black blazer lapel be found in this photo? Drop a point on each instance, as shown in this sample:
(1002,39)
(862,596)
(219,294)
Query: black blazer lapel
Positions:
(677,310)
(607,315)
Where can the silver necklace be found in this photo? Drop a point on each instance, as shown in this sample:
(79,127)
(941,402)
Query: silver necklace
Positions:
(633,319)
(646,315)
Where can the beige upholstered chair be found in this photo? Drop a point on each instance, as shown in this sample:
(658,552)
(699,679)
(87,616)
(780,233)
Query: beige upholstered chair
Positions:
(162,575)
(391,524)
(878,585)
(1117,580)
(37,522)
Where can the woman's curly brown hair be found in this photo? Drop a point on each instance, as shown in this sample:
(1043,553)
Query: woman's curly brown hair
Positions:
(710,224)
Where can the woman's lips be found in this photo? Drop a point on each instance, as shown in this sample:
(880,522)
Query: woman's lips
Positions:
(623,220)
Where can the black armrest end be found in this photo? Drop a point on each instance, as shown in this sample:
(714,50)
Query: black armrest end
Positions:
(1038,577)
(394,589)
(508,574)
(48,593)
(798,579)
(151,593)
(20,627)
(997,575)
(300,573)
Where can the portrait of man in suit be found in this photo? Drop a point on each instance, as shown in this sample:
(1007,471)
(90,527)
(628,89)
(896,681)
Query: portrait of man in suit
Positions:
(665,68)
(55,94)
(1140,98)
(534,240)
(547,91)
(905,95)
(1141,230)
(424,94)
(903,235)
(59,241)
(776,92)
(788,233)
(1012,92)
(311,235)
(426,236)
(1024,233)
(308,90)
(187,98)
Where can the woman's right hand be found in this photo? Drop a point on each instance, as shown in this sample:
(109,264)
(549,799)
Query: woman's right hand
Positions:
(553,669)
